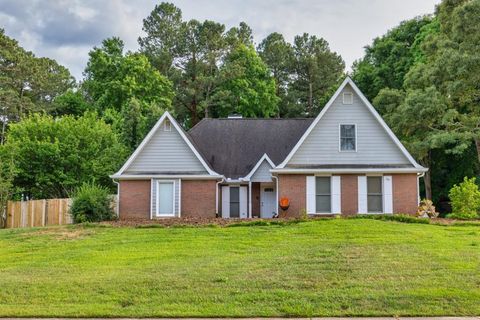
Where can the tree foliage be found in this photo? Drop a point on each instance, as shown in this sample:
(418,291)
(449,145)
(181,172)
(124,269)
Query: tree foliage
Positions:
(28,84)
(246,86)
(126,90)
(388,59)
(52,157)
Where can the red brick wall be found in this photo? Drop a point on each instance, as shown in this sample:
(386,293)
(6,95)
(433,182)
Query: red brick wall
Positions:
(198,198)
(256,199)
(293,186)
(405,195)
(349,197)
(134,199)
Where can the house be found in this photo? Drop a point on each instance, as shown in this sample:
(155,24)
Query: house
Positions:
(344,161)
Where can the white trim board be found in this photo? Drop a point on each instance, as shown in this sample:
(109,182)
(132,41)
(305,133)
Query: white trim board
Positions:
(348,170)
(369,107)
(166,115)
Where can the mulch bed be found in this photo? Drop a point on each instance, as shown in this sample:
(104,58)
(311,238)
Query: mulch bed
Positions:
(176,222)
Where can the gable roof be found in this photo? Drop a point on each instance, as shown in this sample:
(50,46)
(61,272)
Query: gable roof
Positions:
(369,106)
(183,135)
(233,147)
(259,163)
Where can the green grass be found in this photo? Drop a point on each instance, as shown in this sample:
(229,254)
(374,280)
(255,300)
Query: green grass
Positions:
(331,267)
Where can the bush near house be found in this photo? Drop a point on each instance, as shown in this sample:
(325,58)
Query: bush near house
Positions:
(465,200)
(91,203)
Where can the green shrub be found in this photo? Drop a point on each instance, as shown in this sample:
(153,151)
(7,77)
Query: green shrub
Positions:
(465,200)
(91,203)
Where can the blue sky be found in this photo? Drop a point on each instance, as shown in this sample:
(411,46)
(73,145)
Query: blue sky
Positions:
(66,30)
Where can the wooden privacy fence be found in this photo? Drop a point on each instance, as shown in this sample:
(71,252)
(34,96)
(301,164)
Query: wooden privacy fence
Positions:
(38,213)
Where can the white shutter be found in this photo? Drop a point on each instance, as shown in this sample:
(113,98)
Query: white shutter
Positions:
(225,202)
(362,194)
(311,194)
(336,194)
(387,194)
(243,202)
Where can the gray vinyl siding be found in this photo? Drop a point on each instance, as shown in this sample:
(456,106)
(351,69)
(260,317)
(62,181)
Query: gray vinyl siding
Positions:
(176,192)
(374,145)
(263,173)
(166,152)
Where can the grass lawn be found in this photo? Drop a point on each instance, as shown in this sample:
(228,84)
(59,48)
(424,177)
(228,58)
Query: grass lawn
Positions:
(335,267)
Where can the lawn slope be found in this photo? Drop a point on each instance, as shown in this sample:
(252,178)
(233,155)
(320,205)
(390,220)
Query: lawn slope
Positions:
(337,267)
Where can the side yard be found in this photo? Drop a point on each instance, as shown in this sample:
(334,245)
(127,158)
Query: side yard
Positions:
(331,267)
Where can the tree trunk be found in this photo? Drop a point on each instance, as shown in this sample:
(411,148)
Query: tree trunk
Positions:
(477,144)
(427,178)
(310,98)
(428,185)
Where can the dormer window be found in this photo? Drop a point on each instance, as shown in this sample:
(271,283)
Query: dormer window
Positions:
(347,98)
(167,126)
(348,137)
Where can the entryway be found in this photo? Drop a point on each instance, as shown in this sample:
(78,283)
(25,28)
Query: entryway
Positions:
(268,201)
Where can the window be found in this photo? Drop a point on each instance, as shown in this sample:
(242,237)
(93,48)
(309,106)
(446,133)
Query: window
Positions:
(374,195)
(322,195)
(165,198)
(347,98)
(234,202)
(167,126)
(348,139)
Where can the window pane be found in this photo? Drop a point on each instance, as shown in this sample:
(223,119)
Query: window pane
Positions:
(347,130)
(234,210)
(165,198)
(374,185)
(347,137)
(234,194)
(323,204)
(322,185)
(375,203)
(348,144)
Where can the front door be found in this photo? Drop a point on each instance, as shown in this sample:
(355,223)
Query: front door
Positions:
(267,202)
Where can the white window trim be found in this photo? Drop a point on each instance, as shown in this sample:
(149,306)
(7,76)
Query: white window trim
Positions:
(351,98)
(383,205)
(340,137)
(157,197)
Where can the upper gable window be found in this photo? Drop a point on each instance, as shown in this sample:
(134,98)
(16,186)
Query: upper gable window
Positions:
(347,98)
(348,137)
(167,125)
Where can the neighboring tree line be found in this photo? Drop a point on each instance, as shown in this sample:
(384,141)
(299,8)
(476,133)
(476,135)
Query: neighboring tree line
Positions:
(423,77)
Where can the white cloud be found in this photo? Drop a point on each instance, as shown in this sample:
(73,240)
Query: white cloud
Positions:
(67,30)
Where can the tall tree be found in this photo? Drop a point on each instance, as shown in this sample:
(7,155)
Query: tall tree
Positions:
(388,59)
(452,62)
(279,57)
(115,82)
(190,53)
(317,70)
(27,83)
(246,85)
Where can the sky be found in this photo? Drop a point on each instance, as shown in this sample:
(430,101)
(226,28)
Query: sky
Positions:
(66,30)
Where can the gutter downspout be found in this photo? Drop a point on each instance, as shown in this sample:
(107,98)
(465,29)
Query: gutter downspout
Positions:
(250,199)
(421,175)
(118,197)
(216,195)
(276,191)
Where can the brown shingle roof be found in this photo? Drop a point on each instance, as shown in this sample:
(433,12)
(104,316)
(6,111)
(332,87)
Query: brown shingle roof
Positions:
(232,147)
